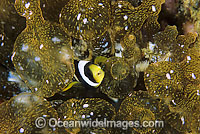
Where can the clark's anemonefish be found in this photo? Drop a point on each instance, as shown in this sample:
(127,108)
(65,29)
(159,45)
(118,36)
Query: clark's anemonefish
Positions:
(87,73)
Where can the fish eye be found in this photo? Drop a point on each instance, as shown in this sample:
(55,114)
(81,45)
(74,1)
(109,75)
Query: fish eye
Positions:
(99,73)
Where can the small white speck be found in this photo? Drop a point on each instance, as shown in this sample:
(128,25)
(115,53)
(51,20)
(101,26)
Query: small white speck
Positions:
(66,81)
(120,6)
(125,17)
(21,130)
(74,112)
(60,15)
(30,13)
(183,120)
(182,45)
(78,16)
(37,58)
(168,76)
(188,59)
(85,105)
(36,89)
(44,115)
(59,83)
(2,37)
(13,56)
(41,46)
(160,52)
(65,117)
(100,4)
(2,44)
(24,48)
(100,15)
(126,28)
(147,75)
(151,46)
(27,5)
(105,45)
(43,5)
(171,71)
(193,76)
(13,27)
(153,8)
(87,116)
(173,102)
(54,129)
(55,39)
(91,113)
(104,51)
(85,21)
(114,99)
(198,92)
(83,116)
(47,81)
(21,68)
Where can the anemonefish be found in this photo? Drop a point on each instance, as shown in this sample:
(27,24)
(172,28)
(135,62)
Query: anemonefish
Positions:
(87,73)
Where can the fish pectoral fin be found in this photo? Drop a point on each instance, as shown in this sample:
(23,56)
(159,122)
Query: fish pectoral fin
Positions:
(71,85)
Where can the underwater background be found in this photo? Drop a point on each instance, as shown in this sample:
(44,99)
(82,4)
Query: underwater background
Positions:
(149,51)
